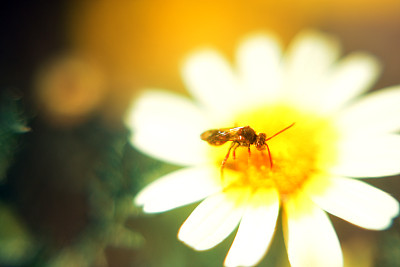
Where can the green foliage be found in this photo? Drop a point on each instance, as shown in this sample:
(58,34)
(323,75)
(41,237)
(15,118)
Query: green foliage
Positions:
(389,248)
(12,124)
(16,243)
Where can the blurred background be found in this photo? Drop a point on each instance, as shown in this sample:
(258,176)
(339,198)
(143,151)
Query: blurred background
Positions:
(68,72)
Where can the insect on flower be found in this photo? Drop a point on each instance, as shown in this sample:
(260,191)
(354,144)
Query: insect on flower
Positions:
(240,136)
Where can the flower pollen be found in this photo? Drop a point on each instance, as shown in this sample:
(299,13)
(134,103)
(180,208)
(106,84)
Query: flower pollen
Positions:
(299,153)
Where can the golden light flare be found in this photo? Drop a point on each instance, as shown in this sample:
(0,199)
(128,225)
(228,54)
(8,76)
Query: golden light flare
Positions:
(148,39)
(153,36)
(143,43)
(69,89)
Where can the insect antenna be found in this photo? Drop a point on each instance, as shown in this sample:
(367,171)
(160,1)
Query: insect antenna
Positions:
(269,152)
(284,129)
(269,155)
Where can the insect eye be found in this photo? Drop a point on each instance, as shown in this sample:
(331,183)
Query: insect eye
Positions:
(260,142)
(262,136)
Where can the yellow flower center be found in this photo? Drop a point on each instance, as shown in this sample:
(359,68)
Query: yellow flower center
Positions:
(301,152)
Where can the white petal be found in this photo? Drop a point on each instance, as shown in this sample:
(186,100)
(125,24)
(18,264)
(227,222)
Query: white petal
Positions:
(255,230)
(210,78)
(178,188)
(309,235)
(378,112)
(307,63)
(168,126)
(259,65)
(368,156)
(352,76)
(355,201)
(214,219)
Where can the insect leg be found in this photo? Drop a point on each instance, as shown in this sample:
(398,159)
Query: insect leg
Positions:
(269,155)
(227,156)
(234,150)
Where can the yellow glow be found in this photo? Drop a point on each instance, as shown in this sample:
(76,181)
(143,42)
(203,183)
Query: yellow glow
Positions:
(305,150)
(69,89)
(143,43)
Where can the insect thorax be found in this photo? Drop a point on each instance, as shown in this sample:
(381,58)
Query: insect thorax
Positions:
(249,135)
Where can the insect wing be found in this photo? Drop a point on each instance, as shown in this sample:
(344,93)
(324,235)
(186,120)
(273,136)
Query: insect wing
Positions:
(218,137)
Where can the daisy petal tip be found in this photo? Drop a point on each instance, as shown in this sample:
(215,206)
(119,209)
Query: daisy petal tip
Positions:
(200,58)
(357,202)
(393,213)
(368,58)
(137,201)
(318,38)
(140,199)
(260,37)
(396,209)
(209,78)
(231,261)
(185,237)
(366,64)
(385,224)
(146,206)
(149,208)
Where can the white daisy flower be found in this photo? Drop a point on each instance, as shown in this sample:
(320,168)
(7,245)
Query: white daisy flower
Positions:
(338,137)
